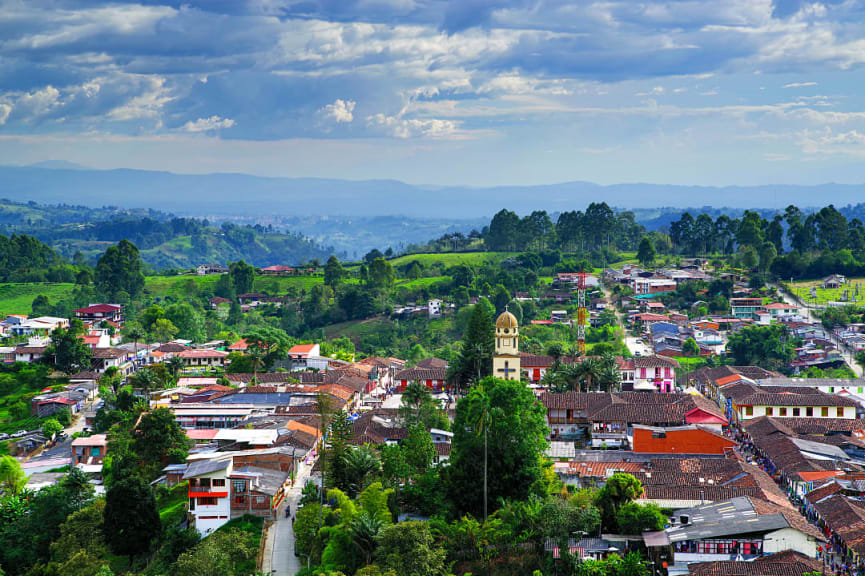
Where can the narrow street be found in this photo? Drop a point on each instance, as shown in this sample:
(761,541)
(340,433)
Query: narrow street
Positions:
(61,454)
(635,345)
(806,313)
(279,558)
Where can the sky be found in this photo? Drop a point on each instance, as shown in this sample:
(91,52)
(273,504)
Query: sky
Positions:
(471,92)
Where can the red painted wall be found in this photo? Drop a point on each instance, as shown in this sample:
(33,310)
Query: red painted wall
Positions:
(681,442)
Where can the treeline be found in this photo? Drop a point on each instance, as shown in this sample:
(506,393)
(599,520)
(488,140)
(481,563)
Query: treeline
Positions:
(26,259)
(599,227)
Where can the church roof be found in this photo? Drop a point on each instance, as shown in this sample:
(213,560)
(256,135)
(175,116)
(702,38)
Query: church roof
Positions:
(506,320)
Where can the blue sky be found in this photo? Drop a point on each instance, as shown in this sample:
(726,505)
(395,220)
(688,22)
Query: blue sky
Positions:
(433,92)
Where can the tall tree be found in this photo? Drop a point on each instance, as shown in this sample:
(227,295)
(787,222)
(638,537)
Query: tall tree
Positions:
(118,272)
(266,345)
(646,252)
(333,272)
(70,353)
(131,519)
(242,277)
(508,414)
(159,439)
(478,346)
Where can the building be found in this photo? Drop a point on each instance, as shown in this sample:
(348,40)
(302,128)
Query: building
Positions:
(89,450)
(434,307)
(277,270)
(834,281)
(202,359)
(746,308)
(208,269)
(650,286)
(432,372)
(690,439)
(41,326)
(300,353)
(225,487)
(741,529)
(506,362)
(655,373)
(793,405)
(196,415)
(96,313)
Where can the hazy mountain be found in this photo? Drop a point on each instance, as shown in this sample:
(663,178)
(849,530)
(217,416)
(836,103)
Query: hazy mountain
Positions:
(235,194)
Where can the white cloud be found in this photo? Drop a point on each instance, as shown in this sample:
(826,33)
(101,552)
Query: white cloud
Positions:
(340,111)
(656,91)
(799,84)
(208,124)
(148,104)
(38,103)
(400,127)
(5,109)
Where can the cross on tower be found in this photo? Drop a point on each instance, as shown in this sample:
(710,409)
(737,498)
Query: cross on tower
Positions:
(507,370)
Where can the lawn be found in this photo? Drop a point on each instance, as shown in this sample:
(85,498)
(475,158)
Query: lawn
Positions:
(454,258)
(162,286)
(18,298)
(420,282)
(803,291)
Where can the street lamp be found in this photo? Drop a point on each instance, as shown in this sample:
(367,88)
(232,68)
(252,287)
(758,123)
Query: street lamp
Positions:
(301,554)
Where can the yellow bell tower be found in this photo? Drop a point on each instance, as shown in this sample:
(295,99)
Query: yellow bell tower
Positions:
(506,362)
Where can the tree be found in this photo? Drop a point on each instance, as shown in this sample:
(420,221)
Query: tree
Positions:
(381,275)
(646,252)
(409,549)
(82,530)
(769,347)
(12,477)
(146,380)
(159,439)
(41,306)
(333,272)
(502,420)
(690,347)
(131,519)
(420,452)
(242,277)
(360,465)
(50,427)
(188,321)
(418,406)
(223,553)
(619,490)
(163,330)
(476,353)
(632,518)
(265,345)
(118,272)
(70,353)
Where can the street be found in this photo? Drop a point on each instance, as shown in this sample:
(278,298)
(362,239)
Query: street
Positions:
(806,313)
(60,454)
(279,558)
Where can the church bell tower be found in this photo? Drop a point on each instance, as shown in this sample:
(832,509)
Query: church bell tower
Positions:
(506,362)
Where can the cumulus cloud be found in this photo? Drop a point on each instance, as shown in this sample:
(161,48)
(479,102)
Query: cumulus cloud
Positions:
(412,127)
(5,109)
(208,124)
(340,111)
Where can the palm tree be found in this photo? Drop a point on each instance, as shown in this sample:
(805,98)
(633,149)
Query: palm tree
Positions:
(587,370)
(175,366)
(364,530)
(146,379)
(415,399)
(360,464)
(609,377)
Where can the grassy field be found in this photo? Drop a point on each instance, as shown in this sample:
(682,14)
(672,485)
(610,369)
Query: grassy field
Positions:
(172,505)
(454,258)
(803,291)
(420,282)
(162,286)
(18,298)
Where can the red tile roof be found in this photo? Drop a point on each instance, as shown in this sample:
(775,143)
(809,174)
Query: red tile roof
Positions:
(99,308)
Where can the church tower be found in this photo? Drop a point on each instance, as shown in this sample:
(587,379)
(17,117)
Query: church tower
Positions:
(506,362)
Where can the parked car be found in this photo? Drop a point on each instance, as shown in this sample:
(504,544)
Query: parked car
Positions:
(19,434)
(62,436)
(4,436)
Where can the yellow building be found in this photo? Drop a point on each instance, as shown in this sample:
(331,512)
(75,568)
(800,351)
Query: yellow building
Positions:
(506,362)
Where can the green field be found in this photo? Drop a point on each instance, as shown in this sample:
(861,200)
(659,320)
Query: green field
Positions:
(162,286)
(803,291)
(420,282)
(455,258)
(172,504)
(17,298)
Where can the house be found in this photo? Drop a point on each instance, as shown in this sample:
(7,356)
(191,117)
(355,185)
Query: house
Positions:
(221,488)
(41,326)
(690,439)
(300,353)
(434,308)
(208,269)
(102,359)
(29,353)
(202,359)
(786,563)
(252,299)
(656,373)
(834,281)
(650,286)
(97,313)
(741,529)
(432,372)
(89,450)
(239,346)
(277,270)
(218,301)
(201,415)
(746,308)
(786,404)
(777,309)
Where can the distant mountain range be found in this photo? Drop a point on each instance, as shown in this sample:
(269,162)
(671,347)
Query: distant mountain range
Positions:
(243,194)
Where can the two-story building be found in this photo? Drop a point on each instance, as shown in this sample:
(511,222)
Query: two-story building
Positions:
(655,373)
(97,313)
(202,359)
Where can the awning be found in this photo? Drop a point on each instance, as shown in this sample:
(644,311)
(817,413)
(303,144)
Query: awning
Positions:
(659,538)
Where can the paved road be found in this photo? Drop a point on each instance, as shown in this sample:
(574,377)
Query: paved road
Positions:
(806,313)
(279,558)
(60,454)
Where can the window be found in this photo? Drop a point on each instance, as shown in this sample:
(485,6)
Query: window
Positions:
(782,411)
(219,482)
(840,411)
(749,410)
(238,486)
(824,411)
(207,501)
(240,500)
(796,412)
(94,451)
(642,372)
(204,482)
(769,410)
(809,411)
